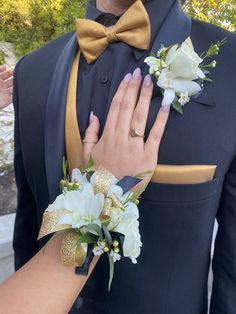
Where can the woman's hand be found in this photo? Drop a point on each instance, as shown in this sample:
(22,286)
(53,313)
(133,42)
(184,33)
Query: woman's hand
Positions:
(6,86)
(117,150)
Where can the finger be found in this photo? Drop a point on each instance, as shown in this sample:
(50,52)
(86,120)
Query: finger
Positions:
(10,99)
(156,133)
(10,90)
(6,75)
(115,105)
(3,68)
(91,136)
(128,103)
(140,116)
(9,82)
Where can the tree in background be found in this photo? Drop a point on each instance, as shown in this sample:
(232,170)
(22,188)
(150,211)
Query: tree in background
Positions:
(219,12)
(29,24)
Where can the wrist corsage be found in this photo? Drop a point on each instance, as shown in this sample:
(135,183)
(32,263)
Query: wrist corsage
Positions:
(97,215)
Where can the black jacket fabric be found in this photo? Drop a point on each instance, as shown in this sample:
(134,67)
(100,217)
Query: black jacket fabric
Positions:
(176,221)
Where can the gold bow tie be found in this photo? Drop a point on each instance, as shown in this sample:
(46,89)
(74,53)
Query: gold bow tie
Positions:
(133,28)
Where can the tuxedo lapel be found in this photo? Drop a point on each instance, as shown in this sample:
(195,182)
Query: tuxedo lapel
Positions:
(175,28)
(206,96)
(55,117)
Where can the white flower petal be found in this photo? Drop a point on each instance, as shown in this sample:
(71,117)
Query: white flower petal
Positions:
(88,190)
(186,86)
(152,61)
(97,251)
(169,96)
(76,175)
(58,204)
(73,201)
(117,190)
(66,220)
(171,55)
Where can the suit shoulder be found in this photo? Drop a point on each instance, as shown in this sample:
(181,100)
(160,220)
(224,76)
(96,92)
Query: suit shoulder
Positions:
(213,33)
(46,56)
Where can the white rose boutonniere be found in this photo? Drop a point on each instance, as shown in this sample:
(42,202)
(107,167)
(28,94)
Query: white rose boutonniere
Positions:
(180,72)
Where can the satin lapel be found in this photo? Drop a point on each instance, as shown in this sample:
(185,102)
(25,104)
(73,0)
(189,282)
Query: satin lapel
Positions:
(175,29)
(55,118)
(207,96)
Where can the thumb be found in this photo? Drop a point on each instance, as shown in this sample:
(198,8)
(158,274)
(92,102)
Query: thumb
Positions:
(91,136)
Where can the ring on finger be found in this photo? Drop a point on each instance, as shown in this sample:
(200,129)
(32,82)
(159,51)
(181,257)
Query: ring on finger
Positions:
(135,133)
(88,142)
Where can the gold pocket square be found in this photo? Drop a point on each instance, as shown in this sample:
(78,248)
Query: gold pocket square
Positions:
(187,174)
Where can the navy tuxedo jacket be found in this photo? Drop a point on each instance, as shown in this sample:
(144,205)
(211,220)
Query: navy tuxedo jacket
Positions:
(176,221)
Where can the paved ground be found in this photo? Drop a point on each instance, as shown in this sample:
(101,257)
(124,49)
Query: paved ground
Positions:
(8,194)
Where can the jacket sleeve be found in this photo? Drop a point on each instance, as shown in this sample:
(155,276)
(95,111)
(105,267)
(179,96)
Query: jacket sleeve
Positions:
(25,233)
(224,262)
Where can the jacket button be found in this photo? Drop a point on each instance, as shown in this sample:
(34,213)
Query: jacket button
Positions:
(104,79)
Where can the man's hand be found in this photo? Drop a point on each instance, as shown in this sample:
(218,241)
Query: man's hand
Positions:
(6,86)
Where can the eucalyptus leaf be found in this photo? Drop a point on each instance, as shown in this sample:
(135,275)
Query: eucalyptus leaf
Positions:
(106,222)
(107,235)
(88,238)
(111,264)
(64,167)
(176,105)
(94,229)
(207,79)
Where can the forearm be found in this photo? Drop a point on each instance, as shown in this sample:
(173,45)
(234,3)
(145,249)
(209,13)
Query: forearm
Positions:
(43,285)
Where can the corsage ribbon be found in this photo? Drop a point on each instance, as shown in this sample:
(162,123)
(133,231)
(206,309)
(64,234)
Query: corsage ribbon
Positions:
(72,252)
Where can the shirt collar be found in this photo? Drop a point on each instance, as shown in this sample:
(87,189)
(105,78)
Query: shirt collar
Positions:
(158,15)
(92,13)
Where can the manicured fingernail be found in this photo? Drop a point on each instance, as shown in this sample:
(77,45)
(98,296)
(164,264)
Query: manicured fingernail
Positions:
(165,108)
(137,73)
(91,118)
(147,81)
(127,78)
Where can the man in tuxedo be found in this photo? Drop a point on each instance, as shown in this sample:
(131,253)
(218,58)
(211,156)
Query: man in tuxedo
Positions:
(176,220)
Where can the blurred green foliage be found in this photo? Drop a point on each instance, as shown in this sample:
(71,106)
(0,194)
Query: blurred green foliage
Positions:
(219,12)
(29,24)
(2,57)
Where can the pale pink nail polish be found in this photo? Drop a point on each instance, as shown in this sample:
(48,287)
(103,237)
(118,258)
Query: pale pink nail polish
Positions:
(147,81)
(165,108)
(127,78)
(137,73)
(91,118)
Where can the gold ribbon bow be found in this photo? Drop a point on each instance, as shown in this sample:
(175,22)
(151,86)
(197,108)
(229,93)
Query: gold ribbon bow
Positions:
(133,28)
(72,253)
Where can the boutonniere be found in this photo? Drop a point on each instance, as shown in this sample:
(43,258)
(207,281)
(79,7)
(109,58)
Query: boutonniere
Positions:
(180,72)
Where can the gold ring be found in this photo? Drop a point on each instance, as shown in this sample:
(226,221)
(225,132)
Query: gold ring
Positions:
(87,142)
(134,133)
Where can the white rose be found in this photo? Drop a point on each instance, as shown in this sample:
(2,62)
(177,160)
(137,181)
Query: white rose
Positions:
(129,226)
(172,86)
(183,62)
